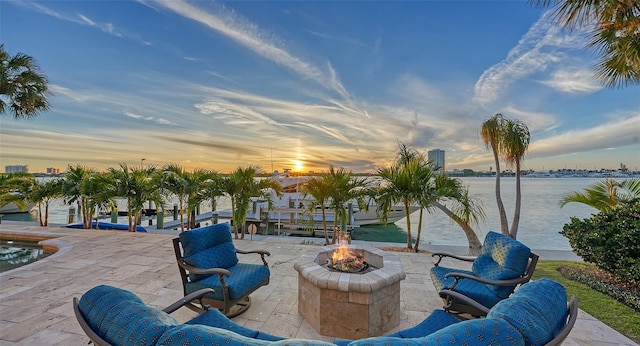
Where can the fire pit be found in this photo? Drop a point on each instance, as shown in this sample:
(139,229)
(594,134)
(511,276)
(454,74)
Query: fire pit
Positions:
(360,301)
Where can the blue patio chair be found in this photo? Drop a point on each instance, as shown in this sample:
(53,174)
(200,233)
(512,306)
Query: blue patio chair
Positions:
(503,264)
(207,258)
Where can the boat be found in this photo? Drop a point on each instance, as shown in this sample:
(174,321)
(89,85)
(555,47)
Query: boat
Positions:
(291,209)
(107,226)
(13,208)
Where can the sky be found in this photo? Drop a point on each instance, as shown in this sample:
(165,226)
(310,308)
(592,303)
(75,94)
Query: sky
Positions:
(308,84)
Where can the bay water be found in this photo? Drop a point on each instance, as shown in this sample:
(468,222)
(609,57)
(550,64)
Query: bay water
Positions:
(541,217)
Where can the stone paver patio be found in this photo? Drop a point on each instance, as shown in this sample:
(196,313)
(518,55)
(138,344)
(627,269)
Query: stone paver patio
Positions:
(36,308)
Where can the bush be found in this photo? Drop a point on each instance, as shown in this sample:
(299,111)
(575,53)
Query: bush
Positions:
(610,240)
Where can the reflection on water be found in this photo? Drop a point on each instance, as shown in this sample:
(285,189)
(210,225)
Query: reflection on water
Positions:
(14,254)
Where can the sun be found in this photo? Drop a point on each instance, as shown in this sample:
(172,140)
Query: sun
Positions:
(298,165)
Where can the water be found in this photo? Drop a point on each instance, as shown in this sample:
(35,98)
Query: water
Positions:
(14,254)
(541,218)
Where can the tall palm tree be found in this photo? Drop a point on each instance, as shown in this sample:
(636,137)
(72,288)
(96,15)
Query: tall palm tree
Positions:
(615,34)
(23,88)
(607,194)
(320,189)
(515,144)
(492,133)
(15,188)
(345,187)
(176,181)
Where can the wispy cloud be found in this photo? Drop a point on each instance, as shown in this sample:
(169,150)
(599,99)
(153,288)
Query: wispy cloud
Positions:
(258,40)
(542,46)
(574,81)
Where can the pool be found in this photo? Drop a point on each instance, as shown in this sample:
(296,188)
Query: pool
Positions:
(14,254)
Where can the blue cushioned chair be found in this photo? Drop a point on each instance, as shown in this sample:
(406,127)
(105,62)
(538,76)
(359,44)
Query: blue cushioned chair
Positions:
(207,258)
(503,264)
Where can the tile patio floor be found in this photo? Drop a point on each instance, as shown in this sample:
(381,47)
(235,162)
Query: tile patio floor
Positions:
(36,308)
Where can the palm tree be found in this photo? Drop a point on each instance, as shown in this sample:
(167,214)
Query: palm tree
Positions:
(43,194)
(615,35)
(23,88)
(515,144)
(174,180)
(492,134)
(76,188)
(400,184)
(240,186)
(320,189)
(607,194)
(344,187)
(15,188)
(136,185)
(202,185)
(465,209)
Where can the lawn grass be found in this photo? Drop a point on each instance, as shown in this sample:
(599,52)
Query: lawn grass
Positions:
(606,309)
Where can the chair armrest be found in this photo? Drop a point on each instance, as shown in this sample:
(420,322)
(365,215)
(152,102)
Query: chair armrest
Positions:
(509,282)
(187,299)
(468,301)
(194,270)
(262,253)
(441,255)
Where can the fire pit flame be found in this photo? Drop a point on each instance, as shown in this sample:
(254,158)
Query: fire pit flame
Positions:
(345,260)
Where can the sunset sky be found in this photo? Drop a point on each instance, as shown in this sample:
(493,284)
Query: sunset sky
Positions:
(308,84)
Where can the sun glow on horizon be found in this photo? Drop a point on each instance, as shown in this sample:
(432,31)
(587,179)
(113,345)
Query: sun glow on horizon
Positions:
(298,165)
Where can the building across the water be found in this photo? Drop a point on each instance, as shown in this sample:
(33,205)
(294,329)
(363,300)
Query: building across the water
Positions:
(437,157)
(16,169)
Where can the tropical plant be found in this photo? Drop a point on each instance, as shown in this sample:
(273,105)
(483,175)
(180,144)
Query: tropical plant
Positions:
(43,194)
(14,188)
(320,189)
(240,186)
(606,194)
(615,34)
(23,88)
(344,188)
(136,185)
(77,188)
(510,139)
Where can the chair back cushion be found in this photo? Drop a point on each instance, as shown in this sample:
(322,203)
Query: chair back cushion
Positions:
(208,247)
(538,309)
(502,258)
(121,318)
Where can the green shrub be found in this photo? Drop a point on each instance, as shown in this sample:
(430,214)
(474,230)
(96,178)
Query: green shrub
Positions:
(610,240)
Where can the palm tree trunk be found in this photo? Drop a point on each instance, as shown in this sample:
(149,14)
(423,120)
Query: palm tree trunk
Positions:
(46,214)
(406,210)
(324,225)
(181,215)
(419,230)
(475,246)
(516,214)
(503,214)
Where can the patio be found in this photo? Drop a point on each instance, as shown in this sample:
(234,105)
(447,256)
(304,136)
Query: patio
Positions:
(35,300)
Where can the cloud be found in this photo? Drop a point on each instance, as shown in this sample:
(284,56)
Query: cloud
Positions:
(541,47)
(574,81)
(259,41)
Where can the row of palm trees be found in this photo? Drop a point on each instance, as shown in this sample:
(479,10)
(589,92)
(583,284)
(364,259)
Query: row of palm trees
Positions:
(94,191)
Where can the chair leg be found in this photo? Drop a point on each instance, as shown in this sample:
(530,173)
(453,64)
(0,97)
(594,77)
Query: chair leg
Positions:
(238,308)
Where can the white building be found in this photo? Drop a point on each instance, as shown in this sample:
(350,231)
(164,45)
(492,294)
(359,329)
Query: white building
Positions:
(16,169)
(437,157)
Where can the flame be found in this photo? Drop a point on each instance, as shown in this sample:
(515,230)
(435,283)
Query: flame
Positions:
(344,259)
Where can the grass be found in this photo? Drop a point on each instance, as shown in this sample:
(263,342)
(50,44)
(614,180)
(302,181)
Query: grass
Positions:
(601,306)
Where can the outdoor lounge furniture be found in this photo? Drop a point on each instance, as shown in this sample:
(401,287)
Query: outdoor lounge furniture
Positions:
(503,264)
(536,314)
(207,258)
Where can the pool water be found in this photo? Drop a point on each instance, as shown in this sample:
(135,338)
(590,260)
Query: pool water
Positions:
(14,254)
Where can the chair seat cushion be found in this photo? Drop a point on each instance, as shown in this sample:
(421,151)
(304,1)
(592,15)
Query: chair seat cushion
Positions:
(196,334)
(538,310)
(121,318)
(208,247)
(437,320)
(244,278)
(470,288)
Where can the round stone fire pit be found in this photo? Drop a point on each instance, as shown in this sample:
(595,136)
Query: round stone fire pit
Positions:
(350,305)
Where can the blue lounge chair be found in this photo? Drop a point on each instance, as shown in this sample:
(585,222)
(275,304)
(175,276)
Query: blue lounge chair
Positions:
(207,258)
(503,264)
